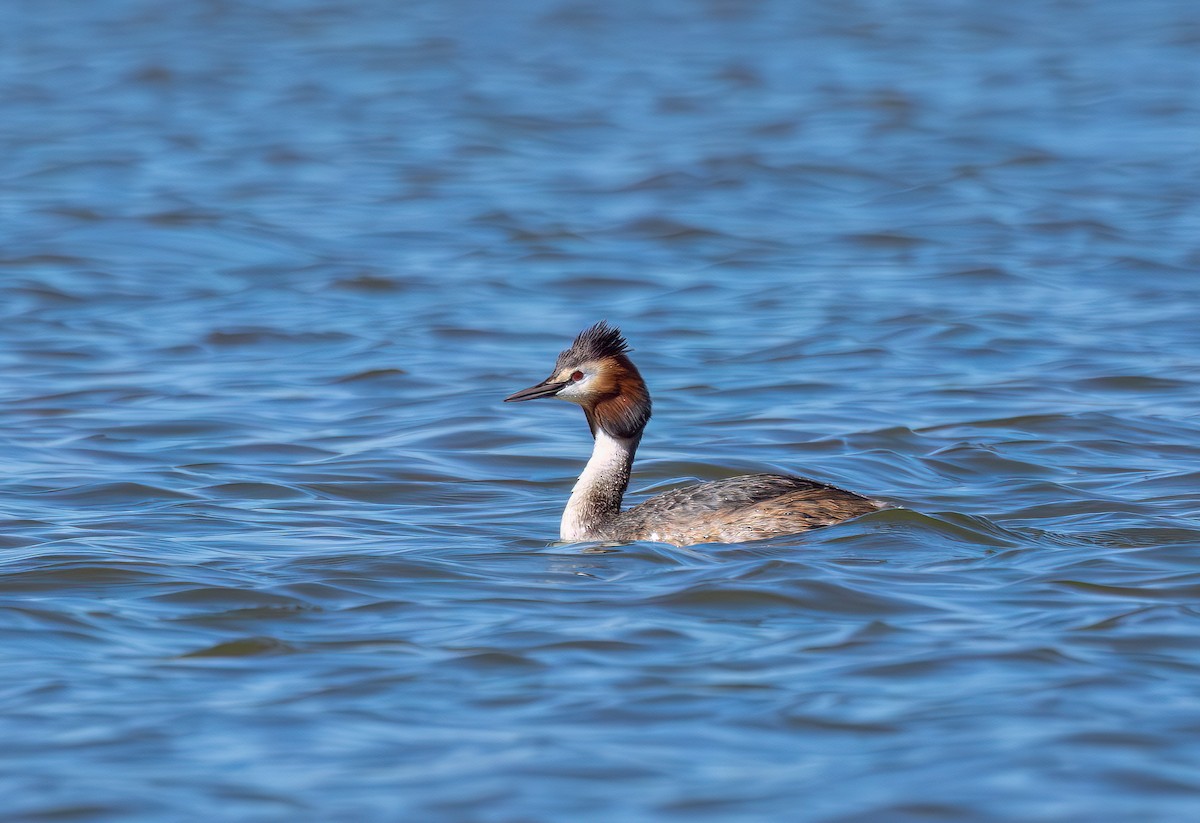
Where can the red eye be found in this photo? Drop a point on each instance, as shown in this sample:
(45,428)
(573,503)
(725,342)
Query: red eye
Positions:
(576,376)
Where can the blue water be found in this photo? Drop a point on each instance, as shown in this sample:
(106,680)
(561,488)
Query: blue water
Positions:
(273,549)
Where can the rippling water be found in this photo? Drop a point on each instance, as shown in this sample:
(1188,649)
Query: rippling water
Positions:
(272,548)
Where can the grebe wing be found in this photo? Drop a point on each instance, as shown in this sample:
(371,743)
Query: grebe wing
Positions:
(733,493)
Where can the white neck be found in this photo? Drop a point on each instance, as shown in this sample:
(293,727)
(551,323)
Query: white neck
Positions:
(596,499)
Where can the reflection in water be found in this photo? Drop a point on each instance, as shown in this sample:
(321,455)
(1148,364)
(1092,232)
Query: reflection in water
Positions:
(272,547)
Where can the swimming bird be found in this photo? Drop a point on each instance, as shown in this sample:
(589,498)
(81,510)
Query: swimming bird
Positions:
(596,373)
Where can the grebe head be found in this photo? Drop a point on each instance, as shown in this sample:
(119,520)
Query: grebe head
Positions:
(596,374)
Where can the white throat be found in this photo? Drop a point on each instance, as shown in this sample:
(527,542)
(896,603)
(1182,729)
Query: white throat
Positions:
(596,499)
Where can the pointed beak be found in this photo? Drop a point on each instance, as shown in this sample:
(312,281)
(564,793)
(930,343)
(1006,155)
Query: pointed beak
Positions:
(547,388)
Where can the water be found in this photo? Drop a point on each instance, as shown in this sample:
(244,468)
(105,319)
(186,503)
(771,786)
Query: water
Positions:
(274,550)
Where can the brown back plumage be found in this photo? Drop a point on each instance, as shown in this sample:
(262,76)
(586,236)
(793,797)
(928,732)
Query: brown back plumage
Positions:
(737,509)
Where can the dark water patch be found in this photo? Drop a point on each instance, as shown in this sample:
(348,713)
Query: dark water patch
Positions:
(15,541)
(83,573)
(116,493)
(914,528)
(372,283)
(496,660)
(209,597)
(245,647)
(263,336)
(891,242)
(372,375)
(1153,590)
(1134,383)
(255,491)
(805,598)
(78,811)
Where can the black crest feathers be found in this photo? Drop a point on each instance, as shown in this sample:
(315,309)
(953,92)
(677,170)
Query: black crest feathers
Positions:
(594,343)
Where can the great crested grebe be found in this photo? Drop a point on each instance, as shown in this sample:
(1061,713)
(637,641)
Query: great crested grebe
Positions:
(596,374)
